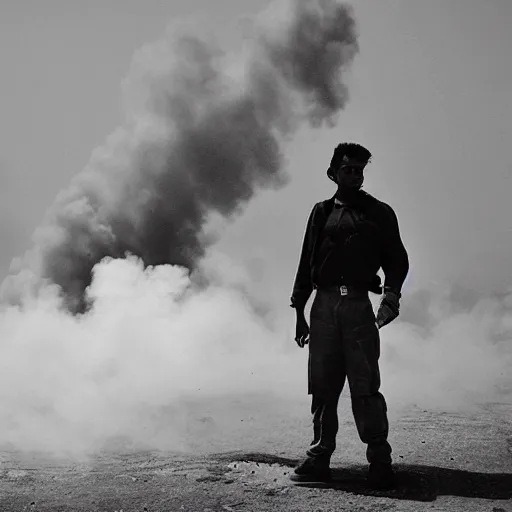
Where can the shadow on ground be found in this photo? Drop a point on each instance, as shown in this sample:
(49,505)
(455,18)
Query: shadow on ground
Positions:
(414,482)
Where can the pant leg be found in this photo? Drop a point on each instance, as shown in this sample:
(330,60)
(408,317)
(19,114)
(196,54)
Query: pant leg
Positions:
(362,351)
(325,425)
(326,372)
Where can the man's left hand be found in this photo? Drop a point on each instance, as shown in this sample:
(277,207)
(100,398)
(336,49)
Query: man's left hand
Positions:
(389,308)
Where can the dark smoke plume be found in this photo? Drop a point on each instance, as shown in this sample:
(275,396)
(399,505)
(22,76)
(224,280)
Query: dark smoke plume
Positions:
(203,134)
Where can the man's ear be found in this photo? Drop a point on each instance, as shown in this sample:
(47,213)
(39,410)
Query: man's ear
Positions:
(331,174)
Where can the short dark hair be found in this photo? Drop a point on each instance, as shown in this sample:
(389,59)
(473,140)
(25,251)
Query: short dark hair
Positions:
(350,150)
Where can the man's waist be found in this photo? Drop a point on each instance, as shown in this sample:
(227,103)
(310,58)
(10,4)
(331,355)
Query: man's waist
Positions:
(343,289)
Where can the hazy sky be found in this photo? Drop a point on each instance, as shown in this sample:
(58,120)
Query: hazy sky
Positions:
(430,96)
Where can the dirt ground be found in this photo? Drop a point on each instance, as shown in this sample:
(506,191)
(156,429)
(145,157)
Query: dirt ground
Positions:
(444,461)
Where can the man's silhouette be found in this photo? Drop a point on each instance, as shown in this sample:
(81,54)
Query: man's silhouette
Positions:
(348,239)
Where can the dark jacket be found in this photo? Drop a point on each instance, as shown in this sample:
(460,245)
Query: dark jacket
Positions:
(375,244)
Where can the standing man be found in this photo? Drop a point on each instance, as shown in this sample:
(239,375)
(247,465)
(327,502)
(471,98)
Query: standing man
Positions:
(348,239)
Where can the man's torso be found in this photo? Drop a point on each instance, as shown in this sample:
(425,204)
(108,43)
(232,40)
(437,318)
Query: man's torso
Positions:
(348,245)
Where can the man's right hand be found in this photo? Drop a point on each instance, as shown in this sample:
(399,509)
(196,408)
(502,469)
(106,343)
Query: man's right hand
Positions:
(302,331)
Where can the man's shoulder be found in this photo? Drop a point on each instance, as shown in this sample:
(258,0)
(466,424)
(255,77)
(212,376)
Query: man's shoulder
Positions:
(322,205)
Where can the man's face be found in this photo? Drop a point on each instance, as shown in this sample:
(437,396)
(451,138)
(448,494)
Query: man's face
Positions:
(349,174)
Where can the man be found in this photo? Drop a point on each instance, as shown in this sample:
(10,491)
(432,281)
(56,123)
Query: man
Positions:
(348,239)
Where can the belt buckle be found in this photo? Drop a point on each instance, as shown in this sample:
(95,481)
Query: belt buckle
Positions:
(343,290)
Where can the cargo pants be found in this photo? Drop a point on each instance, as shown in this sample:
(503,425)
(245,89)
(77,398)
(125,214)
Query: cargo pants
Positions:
(345,345)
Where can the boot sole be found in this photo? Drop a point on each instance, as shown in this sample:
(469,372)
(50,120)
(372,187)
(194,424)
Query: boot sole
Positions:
(311,479)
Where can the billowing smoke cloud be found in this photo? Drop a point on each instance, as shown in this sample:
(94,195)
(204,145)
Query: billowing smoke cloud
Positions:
(135,364)
(157,363)
(204,131)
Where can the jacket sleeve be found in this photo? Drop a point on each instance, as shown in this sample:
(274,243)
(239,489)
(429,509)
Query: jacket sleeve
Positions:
(395,260)
(303,287)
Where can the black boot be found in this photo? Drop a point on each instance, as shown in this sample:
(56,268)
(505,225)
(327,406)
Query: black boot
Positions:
(313,469)
(381,476)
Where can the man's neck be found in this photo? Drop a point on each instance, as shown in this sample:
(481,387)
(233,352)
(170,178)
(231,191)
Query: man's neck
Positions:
(345,196)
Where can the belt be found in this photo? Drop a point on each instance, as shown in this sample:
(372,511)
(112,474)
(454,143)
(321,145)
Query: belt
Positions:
(343,289)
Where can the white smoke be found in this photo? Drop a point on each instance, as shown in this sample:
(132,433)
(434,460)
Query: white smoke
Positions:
(154,345)
(150,343)
(441,355)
